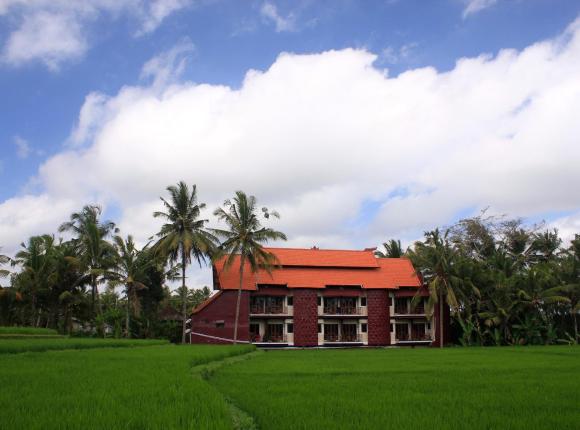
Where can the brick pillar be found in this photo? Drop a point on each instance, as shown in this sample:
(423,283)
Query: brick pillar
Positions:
(378,317)
(446,321)
(305,317)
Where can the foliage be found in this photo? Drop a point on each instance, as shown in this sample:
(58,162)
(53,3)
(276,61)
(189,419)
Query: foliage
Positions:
(244,239)
(184,235)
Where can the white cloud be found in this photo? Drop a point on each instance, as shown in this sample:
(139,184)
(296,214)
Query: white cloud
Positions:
(23,149)
(474,6)
(270,13)
(404,53)
(319,136)
(57,31)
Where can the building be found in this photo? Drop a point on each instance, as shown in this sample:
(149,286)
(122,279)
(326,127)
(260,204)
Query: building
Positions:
(318,297)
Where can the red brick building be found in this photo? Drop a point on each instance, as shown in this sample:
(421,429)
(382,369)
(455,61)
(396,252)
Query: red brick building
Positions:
(318,297)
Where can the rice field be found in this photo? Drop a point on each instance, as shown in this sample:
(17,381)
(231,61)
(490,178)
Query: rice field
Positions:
(34,344)
(457,388)
(148,387)
(130,384)
(27,331)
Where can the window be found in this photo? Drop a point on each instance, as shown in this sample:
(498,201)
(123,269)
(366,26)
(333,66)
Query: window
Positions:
(319,328)
(290,301)
(363,301)
(290,328)
(428,326)
(363,328)
(255,332)
(391,328)
(219,324)
(319,301)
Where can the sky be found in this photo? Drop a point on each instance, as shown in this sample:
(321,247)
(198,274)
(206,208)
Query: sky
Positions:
(358,121)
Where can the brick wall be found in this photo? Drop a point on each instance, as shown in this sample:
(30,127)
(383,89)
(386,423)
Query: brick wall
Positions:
(305,317)
(378,317)
(222,309)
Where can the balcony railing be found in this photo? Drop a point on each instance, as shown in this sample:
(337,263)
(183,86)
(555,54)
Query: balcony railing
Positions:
(409,310)
(343,310)
(268,310)
(413,338)
(269,338)
(342,338)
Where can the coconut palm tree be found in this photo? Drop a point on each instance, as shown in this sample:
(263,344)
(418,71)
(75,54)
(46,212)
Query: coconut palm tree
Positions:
(4,259)
(393,249)
(436,259)
(244,238)
(90,242)
(38,269)
(184,236)
(130,270)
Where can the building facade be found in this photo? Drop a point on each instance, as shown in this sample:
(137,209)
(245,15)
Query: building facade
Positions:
(316,297)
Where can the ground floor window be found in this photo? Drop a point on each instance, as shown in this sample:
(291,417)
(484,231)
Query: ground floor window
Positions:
(331,332)
(348,333)
(402,331)
(418,331)
(363,328)
(255,332)
(274,333)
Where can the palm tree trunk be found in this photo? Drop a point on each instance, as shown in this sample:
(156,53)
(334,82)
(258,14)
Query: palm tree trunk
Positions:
(575,328)
(440,319)
(127,322)
(183,298)
(242,261)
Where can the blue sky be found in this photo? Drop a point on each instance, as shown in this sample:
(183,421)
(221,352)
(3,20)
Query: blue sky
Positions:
(53,55)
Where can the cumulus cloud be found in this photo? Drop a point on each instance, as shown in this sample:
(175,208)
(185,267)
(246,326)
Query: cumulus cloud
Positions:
(474,6)
(270,13)
(56,31)
(348,155)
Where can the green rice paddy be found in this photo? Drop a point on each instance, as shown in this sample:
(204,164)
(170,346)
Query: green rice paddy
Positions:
(148,386)
(457,388)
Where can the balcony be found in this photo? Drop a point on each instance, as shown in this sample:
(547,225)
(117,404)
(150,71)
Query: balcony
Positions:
(342,310)
(255,338)
(261,309)
(405,308)
(344,338)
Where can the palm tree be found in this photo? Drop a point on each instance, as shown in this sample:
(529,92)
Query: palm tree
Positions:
(4,259)
(244,238)
(184,235)
(130,270)
(95,252)
(435,259)
(38,269)
(393,249)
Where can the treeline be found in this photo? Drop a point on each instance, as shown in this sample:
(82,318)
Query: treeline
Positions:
(506,283)
(99,282)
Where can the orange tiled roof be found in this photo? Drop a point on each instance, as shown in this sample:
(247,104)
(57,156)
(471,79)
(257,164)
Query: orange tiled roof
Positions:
(302,268)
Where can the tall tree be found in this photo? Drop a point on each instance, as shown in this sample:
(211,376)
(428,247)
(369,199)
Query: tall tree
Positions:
(184,236)
(244,238)
(4,259)
(436,258)
(130,270)
(38,270)
(393,249)
(90,240)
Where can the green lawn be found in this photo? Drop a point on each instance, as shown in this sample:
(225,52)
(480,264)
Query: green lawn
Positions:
(27,330)
(458,388)
(122,388)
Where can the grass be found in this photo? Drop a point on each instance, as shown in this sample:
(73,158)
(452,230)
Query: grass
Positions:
(29,344)
(459,388)
(27,331)
(130,388)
